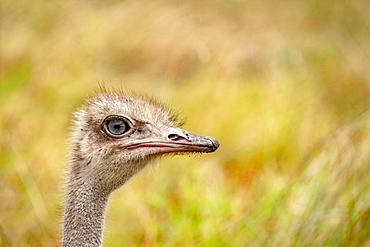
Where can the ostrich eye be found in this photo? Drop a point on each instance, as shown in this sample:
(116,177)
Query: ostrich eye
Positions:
(117,126)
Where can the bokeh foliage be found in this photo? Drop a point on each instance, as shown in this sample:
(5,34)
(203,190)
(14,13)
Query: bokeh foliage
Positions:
(284,86)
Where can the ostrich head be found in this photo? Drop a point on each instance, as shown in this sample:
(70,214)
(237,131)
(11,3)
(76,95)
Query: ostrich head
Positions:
(116,134)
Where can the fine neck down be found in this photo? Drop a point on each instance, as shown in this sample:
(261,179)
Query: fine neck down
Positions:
(84,215)
(86,200)
(87,194)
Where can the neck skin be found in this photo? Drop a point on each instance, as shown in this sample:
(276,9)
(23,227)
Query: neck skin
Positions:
(84,214)
(90,183)
(86,200)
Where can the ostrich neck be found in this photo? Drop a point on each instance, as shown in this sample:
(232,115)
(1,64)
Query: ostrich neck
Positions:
(84,213)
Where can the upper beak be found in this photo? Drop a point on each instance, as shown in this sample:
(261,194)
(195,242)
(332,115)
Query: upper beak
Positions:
(191,141)
(176,140)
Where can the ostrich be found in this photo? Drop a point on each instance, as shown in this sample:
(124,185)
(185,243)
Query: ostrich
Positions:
(114,136)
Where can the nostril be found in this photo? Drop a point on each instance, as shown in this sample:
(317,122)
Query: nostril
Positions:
(175,137)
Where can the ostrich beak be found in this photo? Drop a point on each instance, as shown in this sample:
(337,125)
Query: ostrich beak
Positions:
(176,140)
(182,139)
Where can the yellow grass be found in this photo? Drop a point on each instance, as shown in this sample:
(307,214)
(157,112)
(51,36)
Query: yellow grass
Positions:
(284,86)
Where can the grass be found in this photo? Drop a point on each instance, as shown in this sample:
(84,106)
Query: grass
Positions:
(284,86)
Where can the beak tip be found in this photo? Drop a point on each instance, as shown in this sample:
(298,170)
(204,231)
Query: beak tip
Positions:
(215,144)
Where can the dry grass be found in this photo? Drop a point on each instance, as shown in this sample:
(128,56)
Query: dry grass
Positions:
(285,87)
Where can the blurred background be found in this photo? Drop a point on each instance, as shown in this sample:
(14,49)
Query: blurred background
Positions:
(284,86)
